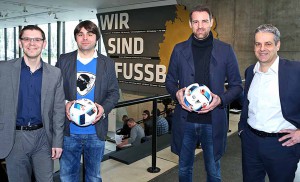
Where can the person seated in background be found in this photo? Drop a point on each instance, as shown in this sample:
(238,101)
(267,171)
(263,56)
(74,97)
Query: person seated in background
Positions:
(125,131)
(162,124)
(148,125)
(169,116)
(136,134)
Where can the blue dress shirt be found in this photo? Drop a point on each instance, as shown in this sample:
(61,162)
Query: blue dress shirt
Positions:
(29,100)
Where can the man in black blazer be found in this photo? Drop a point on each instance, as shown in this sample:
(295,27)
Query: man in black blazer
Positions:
(87,74)
(270,119)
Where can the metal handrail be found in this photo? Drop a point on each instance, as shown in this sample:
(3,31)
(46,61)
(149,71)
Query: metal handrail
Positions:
(141,100)
(153,168)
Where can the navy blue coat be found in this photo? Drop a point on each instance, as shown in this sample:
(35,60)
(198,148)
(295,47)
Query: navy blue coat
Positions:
(289,87)
(181,72)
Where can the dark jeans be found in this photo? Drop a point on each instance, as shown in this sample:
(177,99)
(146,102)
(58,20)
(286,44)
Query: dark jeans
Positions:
(93,149)
(193,134)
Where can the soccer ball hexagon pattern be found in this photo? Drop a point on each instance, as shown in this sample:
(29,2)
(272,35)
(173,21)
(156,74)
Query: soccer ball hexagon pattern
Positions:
(197,96)
(83,112)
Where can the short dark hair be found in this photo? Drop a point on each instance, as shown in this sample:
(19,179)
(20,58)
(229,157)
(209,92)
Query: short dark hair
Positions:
(89,26)
(131,120)
(147,112)
(169,111)
(201,8)
(32,27)
(125,118)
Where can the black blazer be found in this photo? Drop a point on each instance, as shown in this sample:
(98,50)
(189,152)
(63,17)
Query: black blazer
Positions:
(106,87)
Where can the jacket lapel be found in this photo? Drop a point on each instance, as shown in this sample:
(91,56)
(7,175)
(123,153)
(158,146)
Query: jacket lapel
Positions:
(45,79)
(73,75)
(249,77)
(213,63)
(15,80)
(283,81)
(188,54)
(100,71)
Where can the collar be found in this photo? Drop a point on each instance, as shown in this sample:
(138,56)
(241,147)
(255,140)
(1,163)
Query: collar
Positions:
(272,69)
(208,41)
(87,60)
(24,65)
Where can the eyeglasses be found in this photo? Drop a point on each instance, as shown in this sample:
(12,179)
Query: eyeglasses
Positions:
(27,39)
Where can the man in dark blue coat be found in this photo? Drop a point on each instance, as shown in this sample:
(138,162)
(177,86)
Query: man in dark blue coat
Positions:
(204,60)
(270,119)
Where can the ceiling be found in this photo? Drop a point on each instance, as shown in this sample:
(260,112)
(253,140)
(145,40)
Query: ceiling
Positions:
(15,13)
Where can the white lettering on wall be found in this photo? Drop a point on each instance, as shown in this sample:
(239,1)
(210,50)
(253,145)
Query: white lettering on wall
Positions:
(119,21)
(160,73)
(139,72)
(137,69)
(128,75)
(129,45)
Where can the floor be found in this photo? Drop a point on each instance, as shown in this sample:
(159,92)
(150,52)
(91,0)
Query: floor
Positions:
(113,171)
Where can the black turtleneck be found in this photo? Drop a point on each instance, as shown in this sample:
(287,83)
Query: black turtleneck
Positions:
(201,50)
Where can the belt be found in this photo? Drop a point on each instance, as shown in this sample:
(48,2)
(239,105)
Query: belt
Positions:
(30,127)
(265,134)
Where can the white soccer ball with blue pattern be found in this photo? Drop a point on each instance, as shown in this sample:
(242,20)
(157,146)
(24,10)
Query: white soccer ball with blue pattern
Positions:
(197,96)
(83,112)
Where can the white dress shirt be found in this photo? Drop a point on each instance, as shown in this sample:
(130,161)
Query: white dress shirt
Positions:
(264,112)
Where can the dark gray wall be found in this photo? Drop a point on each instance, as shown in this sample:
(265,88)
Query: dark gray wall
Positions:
(238,19)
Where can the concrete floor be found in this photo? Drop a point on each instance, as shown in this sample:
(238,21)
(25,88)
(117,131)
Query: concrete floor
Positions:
(113,171)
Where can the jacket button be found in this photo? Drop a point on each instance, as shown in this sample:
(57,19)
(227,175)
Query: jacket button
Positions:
(192,74)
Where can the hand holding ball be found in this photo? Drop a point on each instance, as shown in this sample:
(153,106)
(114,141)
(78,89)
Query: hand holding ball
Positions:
(83,112)
(197,96)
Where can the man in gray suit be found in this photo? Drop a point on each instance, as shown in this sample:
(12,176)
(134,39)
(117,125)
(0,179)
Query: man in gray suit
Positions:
(87,74)
(31,111)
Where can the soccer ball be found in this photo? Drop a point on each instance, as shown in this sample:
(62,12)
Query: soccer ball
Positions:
(83,112)
(197,96)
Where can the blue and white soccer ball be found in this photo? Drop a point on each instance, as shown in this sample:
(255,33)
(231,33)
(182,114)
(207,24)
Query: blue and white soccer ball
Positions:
(197,96)
(83,112)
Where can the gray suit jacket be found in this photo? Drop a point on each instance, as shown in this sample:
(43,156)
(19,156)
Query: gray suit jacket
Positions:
(106,87)
(52,104)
